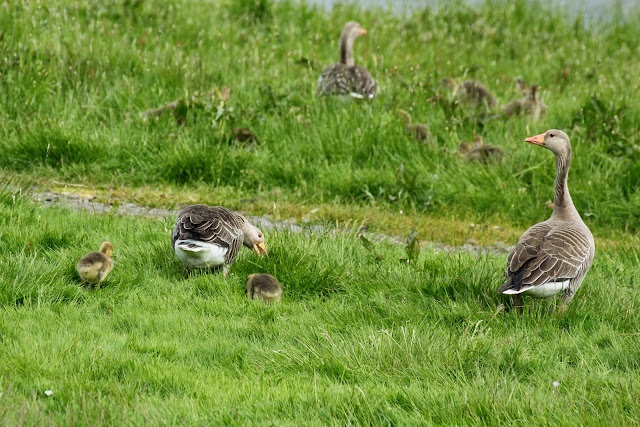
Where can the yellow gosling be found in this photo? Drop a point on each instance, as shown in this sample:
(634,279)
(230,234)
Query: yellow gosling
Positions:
(94,267)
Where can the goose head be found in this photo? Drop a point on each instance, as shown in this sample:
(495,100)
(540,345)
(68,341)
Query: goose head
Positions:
(352,30)
(254,239)
(107,249)
(449,83)
(555,140)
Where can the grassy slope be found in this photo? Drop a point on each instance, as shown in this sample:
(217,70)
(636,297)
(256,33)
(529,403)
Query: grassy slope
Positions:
(76,76)
(356,339)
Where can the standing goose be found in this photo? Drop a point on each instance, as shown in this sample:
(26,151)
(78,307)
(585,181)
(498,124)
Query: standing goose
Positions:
(556,254)
(209,237)
(94,266)
(346,78)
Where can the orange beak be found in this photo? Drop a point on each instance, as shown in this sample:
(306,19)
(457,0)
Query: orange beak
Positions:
(537,140)
(260,249)
(363,31)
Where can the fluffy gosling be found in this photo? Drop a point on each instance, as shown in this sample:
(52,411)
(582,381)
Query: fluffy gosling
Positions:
(95,266)
(264,286)
(529,105)
(470,93)
(417,130)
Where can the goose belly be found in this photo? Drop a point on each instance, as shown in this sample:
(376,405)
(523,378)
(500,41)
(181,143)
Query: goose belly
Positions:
(549,289)
(198,254)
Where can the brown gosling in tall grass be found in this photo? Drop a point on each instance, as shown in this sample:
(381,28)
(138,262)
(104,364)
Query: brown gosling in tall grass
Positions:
(479,151)
(529,105)
(418,130)
(264,286)
(94,267)
(470,93)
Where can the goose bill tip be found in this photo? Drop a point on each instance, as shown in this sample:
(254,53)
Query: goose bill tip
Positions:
(363,31)
(536,140)
(260,249)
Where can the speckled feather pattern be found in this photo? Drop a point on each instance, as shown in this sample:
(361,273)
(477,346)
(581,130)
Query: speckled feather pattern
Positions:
(211,224)
(347,79)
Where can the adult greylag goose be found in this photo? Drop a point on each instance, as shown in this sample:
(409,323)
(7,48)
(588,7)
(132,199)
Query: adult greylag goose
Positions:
(555,255)
(94,267)
(211,236)
(418,130)
(530,104)
(346,78)
(264,287)
(470,93)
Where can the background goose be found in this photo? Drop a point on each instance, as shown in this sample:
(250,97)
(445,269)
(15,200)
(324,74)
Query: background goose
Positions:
(470,93)
(94,266)
(553,255)
(264,286)
(209,237)
(345,77)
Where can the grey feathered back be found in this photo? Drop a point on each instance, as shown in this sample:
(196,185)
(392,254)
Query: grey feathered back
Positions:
(549,252)
(344,79)
(211,224)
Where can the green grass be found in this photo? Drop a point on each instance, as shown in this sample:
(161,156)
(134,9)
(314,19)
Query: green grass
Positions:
(360,337)
(75,77)
(357,339)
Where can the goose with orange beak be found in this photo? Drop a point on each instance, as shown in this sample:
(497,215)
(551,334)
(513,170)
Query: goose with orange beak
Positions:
(346,78)
(553,256)
(207,237)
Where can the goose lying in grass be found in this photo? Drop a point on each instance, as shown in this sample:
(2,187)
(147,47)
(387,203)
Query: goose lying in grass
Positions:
(530,104)
(470,93)
(94,267)
(265,287)
(346,78)
(211,236)
(418,130)
(555,255)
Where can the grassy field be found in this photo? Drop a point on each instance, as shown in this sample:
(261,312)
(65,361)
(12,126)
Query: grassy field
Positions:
(361,336)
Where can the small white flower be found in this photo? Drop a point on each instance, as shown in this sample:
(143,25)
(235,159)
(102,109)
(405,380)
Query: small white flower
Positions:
(48,392)
(556,383)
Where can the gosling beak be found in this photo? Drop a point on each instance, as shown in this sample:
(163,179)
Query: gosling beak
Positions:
(260,249)
(537,140)
(363,31)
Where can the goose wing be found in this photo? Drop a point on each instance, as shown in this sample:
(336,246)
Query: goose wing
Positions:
(546,252)
(344,79)
(210,224)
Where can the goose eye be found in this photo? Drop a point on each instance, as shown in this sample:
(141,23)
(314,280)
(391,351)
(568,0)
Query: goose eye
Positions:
(551,135)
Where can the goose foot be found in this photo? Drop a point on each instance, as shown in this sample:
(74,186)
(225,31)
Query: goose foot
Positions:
(517,302)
